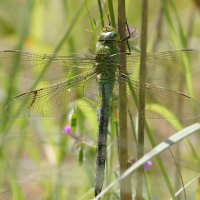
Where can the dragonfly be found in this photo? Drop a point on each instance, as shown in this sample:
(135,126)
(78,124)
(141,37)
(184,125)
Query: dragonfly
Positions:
(93,79)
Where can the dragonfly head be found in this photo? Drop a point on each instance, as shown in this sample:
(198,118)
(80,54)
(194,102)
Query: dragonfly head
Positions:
(109,34)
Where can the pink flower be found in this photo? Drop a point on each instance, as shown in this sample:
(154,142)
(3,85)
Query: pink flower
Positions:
(146,165)
(67,130)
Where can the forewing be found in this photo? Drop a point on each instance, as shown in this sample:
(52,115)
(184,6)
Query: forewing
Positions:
(57,99)
(164,64)
(44,66)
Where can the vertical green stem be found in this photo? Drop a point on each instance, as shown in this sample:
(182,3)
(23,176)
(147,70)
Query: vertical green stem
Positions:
(142,87)
(65,35)
(101,13)
(125,184)
(112,16)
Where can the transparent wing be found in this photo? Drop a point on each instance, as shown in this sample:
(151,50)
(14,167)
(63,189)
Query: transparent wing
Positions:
(43,66)
(164,64)
(57,99)
(160,102)
(56,66)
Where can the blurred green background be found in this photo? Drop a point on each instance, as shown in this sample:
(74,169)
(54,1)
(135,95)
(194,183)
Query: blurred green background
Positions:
(36,160)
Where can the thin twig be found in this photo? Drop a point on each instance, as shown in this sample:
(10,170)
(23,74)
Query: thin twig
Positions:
(125,184)
(142,87)
(101,13)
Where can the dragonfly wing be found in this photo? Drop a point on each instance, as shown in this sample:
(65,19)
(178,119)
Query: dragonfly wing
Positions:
(57,99)
(169,104)
(161,102)
(164,64)
(44,66)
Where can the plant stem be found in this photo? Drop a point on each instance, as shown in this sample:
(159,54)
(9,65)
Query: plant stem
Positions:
(142,87)
(125,184)
(112,15)
(101,13)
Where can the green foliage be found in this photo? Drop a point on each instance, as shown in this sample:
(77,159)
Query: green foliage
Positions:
(92,22)
(37,160)
(74,122)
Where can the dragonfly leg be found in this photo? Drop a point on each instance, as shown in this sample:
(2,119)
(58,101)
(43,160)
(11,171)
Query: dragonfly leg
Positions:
(109,20)
(126,38)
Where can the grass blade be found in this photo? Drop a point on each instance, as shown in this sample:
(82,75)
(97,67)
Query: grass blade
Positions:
(154,152)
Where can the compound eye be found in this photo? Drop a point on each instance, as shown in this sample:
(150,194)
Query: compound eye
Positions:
(109,29)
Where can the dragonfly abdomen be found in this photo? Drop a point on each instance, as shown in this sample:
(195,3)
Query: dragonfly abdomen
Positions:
(106,89)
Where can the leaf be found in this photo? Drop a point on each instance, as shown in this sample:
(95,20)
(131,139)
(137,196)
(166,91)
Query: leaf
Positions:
(99,17)
(155,151)
(73,122)
(91,31)
(94,25)
(80,154)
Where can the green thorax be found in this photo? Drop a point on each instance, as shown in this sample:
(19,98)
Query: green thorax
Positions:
(106,46)
(107,41)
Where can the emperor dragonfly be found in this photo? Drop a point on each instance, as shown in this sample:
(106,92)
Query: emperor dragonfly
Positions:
(92,76)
